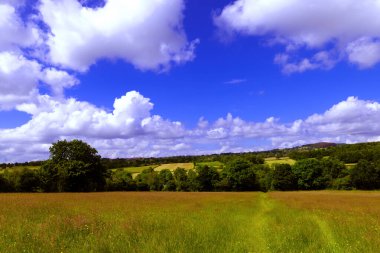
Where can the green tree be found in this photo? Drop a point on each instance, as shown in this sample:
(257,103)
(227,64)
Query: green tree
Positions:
(366,175)
(166,180)
(121,180)
(181,179)
(148,180)
(207,178)
(73,166)
(309,173)
(241,175)
(192,178)
(263,176)
(29,181)
(5,186)
(283,178)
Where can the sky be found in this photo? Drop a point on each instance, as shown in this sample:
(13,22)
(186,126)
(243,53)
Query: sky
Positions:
(142,78)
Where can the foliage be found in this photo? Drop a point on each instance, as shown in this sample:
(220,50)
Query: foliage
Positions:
(283,178)
(366,175)
(309,174)
(181,180)
(207,178)
(120,180)
(76,166)
(240,175)
(166,180)
(73,166)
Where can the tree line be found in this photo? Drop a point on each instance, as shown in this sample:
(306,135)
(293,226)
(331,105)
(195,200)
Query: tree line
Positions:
(74,166)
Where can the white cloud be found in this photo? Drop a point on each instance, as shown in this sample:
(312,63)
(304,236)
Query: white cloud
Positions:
(20,79)
(145,33)
(364,52)
(58,80)
(350,27)
(236,81)
(53,119)
(14,32)
(130,130)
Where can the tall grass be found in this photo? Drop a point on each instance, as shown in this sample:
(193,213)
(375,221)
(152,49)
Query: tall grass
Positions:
(189,222)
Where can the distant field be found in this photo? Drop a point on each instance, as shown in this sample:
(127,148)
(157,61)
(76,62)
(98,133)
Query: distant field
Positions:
(350,165)
(274,160)
(19,168)
(173,166)
(187,222)
(137,169)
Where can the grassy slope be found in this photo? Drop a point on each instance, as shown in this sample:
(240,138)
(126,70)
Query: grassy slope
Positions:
(274,160)
(137,169)
(19,168)
(173,166)
(190,222)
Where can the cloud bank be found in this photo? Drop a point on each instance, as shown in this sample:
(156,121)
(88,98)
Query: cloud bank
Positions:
(130,130)
(329,30)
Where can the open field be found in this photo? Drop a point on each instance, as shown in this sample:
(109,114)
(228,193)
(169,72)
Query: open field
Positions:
(19,168)
(191,222)
(274,160)
(137,170)
(173,166)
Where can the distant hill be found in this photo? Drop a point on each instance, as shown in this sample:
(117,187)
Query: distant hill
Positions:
(318,145)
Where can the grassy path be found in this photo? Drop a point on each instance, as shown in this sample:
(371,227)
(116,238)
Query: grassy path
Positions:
(276,227)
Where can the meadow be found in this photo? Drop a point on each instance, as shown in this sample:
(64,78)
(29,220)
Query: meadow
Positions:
(323,221)
(173,166)
(282,160)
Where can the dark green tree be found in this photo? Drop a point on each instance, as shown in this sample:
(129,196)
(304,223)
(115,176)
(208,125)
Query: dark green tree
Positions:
(73,166)
(366,175)
(240,175)
(283,178)
(148,180)
(192,178)
(207,178)
(181,179)
(263,176)
(309,174)
(166,180)
(121,180)
(5,186)
(29,181)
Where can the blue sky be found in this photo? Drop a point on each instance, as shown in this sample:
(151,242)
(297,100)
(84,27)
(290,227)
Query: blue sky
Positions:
(158,78)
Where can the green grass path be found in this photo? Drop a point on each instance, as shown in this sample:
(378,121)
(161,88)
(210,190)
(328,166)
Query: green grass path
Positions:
(276,227)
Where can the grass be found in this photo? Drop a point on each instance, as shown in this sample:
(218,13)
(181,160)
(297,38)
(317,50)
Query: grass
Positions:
(136,169)
(350,165)
(191,222)
(273,160)
(19,168)
(173,166)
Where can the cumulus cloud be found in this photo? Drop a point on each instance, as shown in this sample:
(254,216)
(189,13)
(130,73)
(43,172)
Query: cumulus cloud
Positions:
(350,29)
(146,33)
(130,119)
(130,129)
(20,79)
(15,33)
